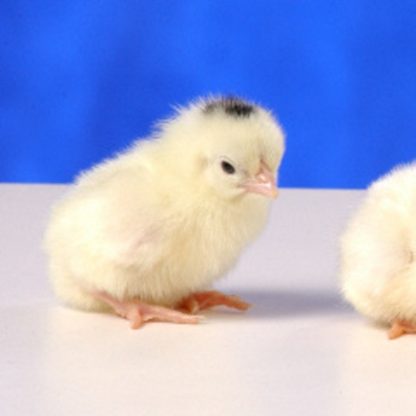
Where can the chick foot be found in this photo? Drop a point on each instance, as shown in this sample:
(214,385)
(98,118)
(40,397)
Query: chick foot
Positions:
(205,300)
(137,313)
(400,327)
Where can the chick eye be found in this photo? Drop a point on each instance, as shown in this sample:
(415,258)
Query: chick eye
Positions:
(227,167)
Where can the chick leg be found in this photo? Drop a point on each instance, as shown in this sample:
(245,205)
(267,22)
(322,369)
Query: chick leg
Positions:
(400,327)
(139,312)
(205,300)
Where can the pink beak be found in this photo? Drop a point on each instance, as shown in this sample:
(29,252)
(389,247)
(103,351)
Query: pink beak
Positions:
(264,183)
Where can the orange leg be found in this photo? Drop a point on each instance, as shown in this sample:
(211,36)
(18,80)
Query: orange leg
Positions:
(205,300)
(139,312)
(400,327)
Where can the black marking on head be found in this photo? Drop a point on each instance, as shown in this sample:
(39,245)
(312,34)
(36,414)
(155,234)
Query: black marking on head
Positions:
(233,106)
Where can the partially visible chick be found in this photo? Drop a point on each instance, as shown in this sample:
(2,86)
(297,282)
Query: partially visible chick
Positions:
(146,233)
(378,250)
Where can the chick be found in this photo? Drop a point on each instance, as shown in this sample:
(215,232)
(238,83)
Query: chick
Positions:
(146,233)
(378,253)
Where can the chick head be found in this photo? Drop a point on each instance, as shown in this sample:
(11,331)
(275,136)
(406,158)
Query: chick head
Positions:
(234,147)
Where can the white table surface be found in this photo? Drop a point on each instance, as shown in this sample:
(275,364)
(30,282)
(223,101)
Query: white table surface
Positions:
(299,351)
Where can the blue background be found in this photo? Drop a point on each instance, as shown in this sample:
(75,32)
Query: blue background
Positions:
(80,79)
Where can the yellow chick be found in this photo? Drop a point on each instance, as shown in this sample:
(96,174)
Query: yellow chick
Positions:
(146,233)
(378,253)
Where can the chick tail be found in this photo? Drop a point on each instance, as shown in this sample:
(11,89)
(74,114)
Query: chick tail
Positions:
(383,286)
(400,294)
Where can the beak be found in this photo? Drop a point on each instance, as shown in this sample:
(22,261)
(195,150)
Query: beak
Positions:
(264,183)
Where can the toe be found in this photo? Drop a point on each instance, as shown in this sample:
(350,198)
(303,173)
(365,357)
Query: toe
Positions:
(213,298)
(162,314)
(400,327)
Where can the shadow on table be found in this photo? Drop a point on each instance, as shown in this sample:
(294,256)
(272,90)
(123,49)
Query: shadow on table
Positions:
(285,303)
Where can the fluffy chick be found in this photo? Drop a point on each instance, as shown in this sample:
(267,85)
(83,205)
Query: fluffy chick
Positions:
(145,233)
(378,253)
